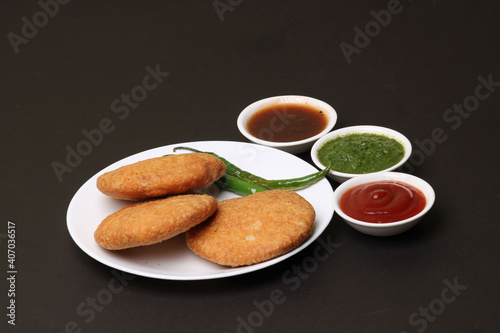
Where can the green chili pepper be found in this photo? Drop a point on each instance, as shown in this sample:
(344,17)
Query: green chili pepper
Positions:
(238,185)
(299,183)
(231,169)
(292,184)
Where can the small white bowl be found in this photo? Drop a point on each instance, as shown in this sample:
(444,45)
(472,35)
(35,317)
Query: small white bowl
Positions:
(294,147)
(342,176)
(391,228)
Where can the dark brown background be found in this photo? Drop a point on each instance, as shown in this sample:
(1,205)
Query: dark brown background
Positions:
(64,79)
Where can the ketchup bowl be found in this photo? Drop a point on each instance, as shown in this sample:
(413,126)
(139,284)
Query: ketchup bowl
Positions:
(291,123)
(385,195)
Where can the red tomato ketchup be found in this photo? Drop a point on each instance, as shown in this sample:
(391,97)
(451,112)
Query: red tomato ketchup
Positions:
(382,202)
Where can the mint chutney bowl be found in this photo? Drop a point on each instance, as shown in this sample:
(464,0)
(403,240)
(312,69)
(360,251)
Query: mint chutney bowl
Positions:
(360,150)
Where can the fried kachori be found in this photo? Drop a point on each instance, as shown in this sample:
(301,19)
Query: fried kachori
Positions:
(252,229)
(161,176)
(151,222)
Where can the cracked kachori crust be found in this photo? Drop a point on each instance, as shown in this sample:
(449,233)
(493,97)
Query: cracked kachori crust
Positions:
(150,222)
(161,176)
(252,229)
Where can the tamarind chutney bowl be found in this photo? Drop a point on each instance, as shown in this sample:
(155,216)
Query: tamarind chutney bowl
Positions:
(291,123)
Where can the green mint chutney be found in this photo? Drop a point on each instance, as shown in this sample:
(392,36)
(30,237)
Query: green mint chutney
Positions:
(361,153)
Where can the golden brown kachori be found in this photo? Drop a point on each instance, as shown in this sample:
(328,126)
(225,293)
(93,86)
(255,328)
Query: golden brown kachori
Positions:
(151,222)
(161,176)
(252,229)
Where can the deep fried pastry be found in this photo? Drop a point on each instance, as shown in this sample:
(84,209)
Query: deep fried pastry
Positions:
(161,176)
(154,221)
(252,229)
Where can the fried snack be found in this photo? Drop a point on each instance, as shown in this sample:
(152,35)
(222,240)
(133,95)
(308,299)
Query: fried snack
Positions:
(150,222)
(161,176)
(252,229)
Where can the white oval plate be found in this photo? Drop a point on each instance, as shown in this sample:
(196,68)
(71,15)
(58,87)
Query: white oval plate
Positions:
(172,259)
